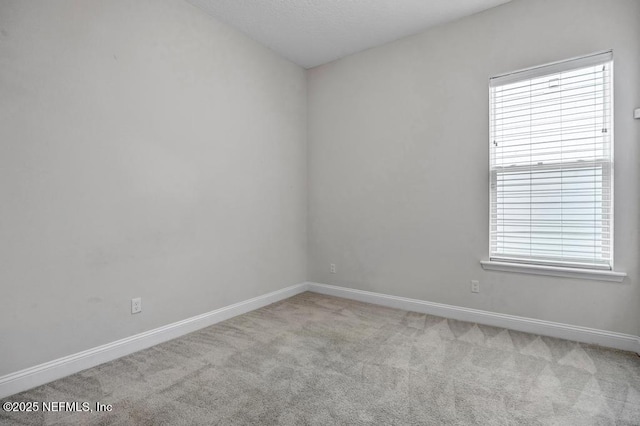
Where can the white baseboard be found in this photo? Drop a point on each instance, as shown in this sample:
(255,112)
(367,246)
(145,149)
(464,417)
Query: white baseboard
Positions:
(626,342)
(61,367)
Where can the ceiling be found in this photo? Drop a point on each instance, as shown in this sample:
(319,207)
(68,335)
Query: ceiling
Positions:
(314,32)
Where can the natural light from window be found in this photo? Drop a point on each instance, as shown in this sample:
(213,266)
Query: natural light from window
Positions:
(551,151)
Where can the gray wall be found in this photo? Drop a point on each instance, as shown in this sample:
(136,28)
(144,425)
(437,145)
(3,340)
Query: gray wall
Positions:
(145,150)
(398,161)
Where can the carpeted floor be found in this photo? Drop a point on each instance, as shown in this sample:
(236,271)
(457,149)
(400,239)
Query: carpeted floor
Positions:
(314,359)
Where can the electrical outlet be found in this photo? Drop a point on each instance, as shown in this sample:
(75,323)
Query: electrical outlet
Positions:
(136,305)
(475,286)
(332,268)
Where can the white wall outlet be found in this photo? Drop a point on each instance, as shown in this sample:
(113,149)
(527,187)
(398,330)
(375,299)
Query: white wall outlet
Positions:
(475,286)
(136,305)
(332,268)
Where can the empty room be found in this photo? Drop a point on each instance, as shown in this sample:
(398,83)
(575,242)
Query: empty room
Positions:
(385,212)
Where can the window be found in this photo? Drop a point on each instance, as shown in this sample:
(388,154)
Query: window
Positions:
(551,165)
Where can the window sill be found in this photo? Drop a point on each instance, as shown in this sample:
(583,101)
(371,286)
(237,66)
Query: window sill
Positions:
(554,271)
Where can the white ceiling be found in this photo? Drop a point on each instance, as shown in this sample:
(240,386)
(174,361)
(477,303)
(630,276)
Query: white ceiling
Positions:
(314,32)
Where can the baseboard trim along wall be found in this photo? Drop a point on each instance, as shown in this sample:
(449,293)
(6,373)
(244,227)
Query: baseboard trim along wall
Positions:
(626,342)
(65,366)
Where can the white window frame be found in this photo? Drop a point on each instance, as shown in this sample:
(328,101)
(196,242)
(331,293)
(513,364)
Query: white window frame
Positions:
(547,266)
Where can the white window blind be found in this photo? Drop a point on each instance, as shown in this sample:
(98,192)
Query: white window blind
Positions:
(551,164)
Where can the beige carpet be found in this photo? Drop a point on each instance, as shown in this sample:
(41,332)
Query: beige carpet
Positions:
(321,360)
